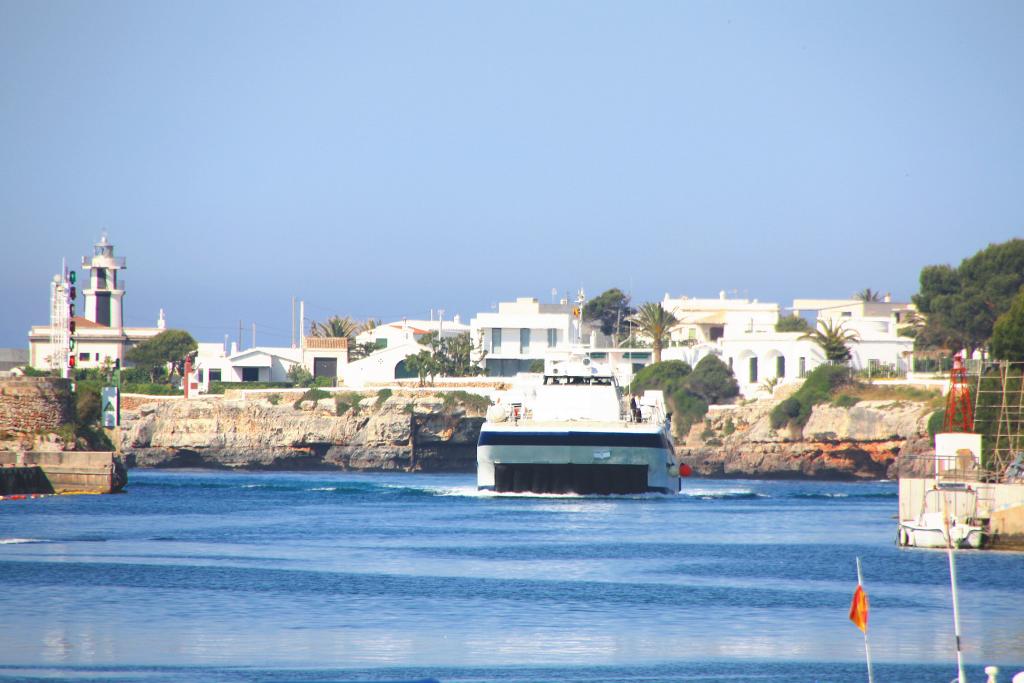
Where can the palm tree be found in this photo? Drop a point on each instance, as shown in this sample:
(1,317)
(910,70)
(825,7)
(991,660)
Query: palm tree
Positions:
(335,326)
(655,322)
(833,339)
(868,295)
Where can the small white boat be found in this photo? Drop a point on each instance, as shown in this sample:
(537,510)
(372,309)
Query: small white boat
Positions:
(939,525)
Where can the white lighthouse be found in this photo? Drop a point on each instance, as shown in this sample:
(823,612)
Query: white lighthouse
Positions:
(103,298)
(92,333)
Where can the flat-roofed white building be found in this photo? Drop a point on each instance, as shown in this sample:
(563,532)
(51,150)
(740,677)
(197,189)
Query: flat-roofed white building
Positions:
(322,356)
(521,332)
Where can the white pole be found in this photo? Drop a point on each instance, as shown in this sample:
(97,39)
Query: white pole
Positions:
(867,647)
(302,323)
(960,674)
(293,322)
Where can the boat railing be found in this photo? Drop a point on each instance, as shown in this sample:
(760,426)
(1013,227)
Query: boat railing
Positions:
(942,467)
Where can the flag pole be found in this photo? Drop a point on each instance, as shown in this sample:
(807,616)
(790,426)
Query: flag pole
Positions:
(867,647)
(961,677)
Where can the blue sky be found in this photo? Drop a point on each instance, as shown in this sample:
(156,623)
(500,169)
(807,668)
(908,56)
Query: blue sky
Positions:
(382,159)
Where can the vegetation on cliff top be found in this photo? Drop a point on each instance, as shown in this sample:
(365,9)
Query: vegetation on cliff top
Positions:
(688,391)
(834,384)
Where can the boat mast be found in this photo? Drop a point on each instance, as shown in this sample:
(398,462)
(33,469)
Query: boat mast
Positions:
(960,674)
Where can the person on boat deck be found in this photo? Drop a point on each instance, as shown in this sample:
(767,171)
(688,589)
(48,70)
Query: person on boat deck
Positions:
(634,410)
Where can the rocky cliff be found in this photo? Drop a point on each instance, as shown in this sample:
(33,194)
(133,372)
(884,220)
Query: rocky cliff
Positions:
(399,432)
(857,442)
(409,432)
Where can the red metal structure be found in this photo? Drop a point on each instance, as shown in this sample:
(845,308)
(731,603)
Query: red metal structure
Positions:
(959,409)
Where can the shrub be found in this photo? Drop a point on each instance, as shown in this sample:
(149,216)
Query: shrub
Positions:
(383,395)
(310,395)
(274,399)
(845,401)
(346,401)
(221,387)
(817,388)
(667,375)
(473,402)
(712,380)
(787,410)
(536,366)
(936,421)
(300,376)
(728,428)
(150,389)
(687,410)
(792,323)
(707,433)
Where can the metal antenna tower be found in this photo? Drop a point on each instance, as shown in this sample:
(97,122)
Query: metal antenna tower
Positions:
(60,317)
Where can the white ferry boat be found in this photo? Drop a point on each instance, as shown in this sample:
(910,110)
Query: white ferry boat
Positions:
(573,431)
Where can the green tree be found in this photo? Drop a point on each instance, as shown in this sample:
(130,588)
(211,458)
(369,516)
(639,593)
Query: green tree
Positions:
(868,295)
(669,376)
(424,364)
(655,322)
(610,310)
(792,323)
(712,380)
(965,301)
(168,347)
(833,340)
(1008,332)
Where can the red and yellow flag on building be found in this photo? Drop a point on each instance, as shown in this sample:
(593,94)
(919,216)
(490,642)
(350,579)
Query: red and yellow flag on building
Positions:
(859,609)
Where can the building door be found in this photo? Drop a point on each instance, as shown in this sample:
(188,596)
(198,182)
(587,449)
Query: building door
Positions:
(325,367)
(753,369)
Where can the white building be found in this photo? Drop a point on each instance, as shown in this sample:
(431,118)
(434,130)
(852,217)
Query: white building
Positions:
(521,332)
(100,336)
(742,333)
(322,356)
(388,335)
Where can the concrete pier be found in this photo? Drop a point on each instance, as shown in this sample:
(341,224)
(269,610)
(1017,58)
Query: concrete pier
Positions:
(61,472)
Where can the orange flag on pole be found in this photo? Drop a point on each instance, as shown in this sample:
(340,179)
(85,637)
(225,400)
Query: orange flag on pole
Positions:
(859,609)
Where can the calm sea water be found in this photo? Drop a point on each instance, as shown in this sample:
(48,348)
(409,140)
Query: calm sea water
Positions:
(317,577)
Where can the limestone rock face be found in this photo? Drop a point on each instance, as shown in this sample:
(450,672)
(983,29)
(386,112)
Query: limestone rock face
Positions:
(399,433)
(859,442)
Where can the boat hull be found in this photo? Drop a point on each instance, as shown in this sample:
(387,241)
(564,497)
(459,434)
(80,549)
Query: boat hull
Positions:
(917,536)
(520,460)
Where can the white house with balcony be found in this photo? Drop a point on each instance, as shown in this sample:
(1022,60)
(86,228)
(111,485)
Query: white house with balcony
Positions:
(742,333)
(521,332)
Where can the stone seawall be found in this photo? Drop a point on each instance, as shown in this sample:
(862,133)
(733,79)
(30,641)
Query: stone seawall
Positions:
(267,431)
(33,405)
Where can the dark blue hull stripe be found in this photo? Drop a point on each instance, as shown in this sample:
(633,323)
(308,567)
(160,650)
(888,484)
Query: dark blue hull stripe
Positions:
(608,439)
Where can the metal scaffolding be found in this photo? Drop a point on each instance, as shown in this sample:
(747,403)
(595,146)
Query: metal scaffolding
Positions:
(999,417)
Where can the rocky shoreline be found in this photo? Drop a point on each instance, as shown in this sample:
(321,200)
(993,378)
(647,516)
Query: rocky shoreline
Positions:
(398,432)
(863,441)
(412,432)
